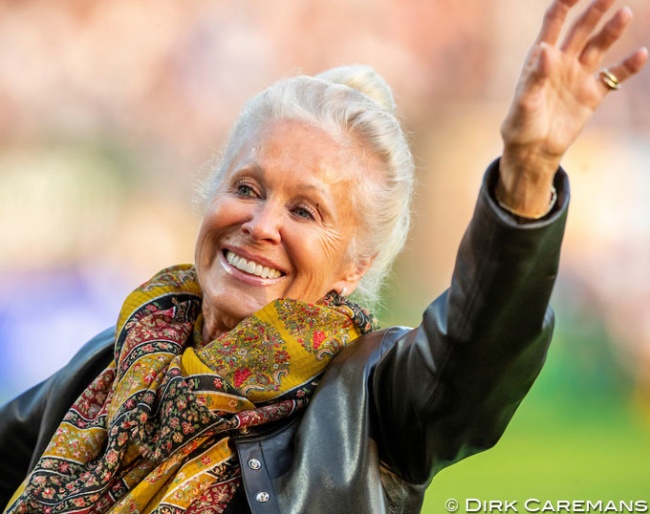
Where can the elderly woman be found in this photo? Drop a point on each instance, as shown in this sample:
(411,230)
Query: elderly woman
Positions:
(250,382)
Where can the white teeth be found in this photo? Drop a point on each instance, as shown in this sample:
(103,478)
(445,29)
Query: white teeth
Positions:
(251,267)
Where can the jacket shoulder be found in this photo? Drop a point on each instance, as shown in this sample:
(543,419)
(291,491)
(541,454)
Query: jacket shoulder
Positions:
(28,422)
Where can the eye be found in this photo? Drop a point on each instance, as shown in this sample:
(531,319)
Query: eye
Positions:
(304,212)
(244,190)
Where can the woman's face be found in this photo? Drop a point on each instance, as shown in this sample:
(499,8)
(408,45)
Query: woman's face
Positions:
(280,224)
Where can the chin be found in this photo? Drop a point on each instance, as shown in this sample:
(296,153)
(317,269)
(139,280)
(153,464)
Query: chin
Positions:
(238,305)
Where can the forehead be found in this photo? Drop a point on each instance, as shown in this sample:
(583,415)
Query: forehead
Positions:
(297,148)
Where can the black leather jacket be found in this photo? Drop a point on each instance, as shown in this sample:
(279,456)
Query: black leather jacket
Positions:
(392,409)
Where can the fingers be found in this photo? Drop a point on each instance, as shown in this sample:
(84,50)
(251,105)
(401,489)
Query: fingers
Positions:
(595,49)
(584,41)
(629,67)
(543,64)
(554,19)
(581,30)
(634,63)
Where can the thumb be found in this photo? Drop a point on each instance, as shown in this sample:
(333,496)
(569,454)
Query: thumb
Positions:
(543,65)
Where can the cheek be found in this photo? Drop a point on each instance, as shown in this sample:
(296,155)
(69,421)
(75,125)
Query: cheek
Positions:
(319,253)
(334,246)
(336,240)
(202,245)
(212,226)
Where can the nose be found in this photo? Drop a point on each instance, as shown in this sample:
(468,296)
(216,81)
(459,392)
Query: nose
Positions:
(264,223)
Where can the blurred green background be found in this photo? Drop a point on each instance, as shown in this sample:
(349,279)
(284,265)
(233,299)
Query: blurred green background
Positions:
(110,110)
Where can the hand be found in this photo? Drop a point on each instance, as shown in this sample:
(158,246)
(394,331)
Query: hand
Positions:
(558,91)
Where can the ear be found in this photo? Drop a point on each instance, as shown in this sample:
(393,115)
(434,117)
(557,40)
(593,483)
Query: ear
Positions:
(352,274)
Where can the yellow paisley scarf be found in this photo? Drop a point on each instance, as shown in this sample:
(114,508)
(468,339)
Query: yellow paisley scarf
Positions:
(151,434)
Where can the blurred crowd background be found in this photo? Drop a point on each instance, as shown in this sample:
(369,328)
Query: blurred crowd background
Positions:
(110,112)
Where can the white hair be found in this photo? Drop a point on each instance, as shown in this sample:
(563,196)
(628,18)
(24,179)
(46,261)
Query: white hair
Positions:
(347,101)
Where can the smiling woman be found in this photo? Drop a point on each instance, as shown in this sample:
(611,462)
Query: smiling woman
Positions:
(280,224)
(351,112)
(256,380)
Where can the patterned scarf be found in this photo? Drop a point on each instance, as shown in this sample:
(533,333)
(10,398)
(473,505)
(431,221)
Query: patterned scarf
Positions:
(151,433)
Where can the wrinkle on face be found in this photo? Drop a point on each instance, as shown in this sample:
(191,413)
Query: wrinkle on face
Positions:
(286,202)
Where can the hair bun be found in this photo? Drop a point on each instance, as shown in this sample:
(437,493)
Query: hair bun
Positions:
(365,79)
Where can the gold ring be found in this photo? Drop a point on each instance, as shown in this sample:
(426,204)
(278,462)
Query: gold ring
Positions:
(609,79)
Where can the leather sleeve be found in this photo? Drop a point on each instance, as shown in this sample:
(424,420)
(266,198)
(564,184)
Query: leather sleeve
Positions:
(448,388)
(28,422)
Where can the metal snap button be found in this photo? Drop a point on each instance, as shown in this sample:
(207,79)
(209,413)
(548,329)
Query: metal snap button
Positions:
(262,497)
(254,464)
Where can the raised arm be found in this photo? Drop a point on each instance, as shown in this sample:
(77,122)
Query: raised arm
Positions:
(561,85)
(448,388)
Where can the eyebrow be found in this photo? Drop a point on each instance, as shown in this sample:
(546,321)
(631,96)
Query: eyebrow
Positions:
(258,170)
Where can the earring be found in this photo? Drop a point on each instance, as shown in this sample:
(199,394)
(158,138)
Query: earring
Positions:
(343,291)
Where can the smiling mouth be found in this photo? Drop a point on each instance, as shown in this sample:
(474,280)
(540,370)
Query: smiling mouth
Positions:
(250,267)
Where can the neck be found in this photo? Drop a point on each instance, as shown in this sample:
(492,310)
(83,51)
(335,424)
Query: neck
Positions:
(215,326)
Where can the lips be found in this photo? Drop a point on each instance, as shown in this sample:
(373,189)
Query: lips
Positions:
(250,267)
